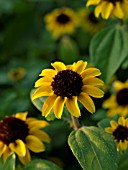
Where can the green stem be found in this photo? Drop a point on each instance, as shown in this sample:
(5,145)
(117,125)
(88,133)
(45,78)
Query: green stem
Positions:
(75,123)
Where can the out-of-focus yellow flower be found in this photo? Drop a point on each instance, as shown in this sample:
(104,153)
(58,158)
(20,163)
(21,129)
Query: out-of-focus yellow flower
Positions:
(120,132)
(110,8)
(118,102)
(65,84)
(61,21)
(88,21)
(16,73)
(19,134)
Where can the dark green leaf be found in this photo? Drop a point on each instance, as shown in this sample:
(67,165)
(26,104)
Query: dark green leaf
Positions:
(108,50)
(123,161)
(94,149)
(40,164)
(106,122)
(68,50)
(10,163)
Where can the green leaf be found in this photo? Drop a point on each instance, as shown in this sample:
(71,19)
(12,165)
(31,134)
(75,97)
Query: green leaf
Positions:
(68,51)
(94,149)
(40,164)
(10,163)
(106,122)
(123,161)
(108,50)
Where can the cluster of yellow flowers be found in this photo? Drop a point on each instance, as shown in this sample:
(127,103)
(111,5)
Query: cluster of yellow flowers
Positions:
(62,21)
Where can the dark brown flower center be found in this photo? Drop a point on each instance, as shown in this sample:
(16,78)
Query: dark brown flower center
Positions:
(92,18)
(121,133)
(114,1)
(63,19)
(67,83)
(122,97)
(11,129)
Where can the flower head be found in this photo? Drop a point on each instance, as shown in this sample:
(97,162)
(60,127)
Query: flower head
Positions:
(88,21)
(118,102)
(19,134)
(110,8)
(67,84)
(120,132)
(61,21)
(16,73)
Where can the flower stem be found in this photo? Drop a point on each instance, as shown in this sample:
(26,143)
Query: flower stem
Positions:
(75,123)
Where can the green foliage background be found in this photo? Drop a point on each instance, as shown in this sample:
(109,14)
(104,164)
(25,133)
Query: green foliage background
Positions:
(25,42)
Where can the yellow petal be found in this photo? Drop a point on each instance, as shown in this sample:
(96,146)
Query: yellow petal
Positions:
(110,102)
(43,136)
(42,91)
(30,119)
(2,148)
(117,11)
(34,144)
(26,159)
(124,7)
(92,2)
(48,73)
(80,66)
(93,81)
(59,66)
(37,124)
(98,9)
(121,121)
(48,105)
(109,130)
(107,9)
(90,72)
(93,91)
(21,116)
(18,147)
(43,81)
(58,107)
(113,124)
(117,85)
(87,102)
(73,107)
(123,145)
(6,153)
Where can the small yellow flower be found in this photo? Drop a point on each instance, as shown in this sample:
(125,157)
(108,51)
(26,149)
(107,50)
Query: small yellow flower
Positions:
(61,21)
(88,21)
(120,132)
(110,8)
(19,134)
(16,73)
(66,85)
(118,102)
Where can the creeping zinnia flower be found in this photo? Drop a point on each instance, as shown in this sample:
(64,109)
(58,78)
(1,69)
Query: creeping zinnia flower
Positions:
(120,132)
(19,134)
(118,102)
(88,21)
(110,8)
(61,21)
(66,85)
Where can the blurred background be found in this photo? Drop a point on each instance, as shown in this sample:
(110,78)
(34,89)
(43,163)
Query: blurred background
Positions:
(27,47)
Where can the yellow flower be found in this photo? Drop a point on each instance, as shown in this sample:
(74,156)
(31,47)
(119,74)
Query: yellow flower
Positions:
(118,102)
(120,132)
(19,134)
(16,73)
(110,8)
(61,21)
(88,21)
(66,85)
